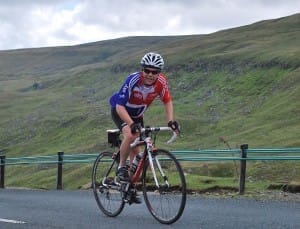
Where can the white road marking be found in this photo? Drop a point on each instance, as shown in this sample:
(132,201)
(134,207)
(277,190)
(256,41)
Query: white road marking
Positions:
(11,221)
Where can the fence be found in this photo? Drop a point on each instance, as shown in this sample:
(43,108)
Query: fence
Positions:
(242,155)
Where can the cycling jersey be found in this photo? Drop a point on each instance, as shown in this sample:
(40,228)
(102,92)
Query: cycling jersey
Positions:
(136,97)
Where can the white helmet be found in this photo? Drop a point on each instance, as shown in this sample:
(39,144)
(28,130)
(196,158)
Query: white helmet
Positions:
(153,60)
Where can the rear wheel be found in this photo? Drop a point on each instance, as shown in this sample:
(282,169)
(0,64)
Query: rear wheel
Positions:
(167,201)
(106,191)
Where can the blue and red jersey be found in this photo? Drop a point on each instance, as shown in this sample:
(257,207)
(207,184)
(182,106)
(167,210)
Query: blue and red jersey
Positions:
(136,97)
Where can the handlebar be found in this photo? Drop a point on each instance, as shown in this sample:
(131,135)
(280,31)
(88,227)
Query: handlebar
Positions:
(137,141)
(149,130)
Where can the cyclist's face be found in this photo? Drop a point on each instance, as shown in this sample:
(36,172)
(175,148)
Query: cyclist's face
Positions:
(150,75)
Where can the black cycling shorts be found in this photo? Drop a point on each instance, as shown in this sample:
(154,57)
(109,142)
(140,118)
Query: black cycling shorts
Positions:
(120,123)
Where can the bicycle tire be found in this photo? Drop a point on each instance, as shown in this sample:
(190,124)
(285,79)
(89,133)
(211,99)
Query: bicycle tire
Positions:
(107,195)
(167,203)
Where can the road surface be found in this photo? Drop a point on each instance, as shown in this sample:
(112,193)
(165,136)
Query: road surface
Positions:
(40,209)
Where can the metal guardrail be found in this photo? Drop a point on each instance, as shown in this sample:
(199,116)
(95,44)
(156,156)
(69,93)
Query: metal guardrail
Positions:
(252,154)
(243,154)
(52,159)
(183,155)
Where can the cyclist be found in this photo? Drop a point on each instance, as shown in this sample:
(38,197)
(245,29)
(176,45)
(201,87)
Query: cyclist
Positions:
(129,104)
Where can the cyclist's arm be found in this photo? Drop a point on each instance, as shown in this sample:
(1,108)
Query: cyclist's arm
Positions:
(122,99)
(165,97)
(170,116)
(169,111)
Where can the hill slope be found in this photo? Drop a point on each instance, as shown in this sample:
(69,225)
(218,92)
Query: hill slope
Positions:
(241,84)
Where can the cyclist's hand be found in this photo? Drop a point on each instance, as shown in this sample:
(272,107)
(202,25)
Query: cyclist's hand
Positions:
(135,128)
(174,126)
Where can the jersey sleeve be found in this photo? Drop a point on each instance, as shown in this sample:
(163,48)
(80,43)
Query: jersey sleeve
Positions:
(165,94)
(123,95)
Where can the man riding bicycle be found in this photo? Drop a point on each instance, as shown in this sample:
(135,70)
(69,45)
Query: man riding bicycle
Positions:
(129,104)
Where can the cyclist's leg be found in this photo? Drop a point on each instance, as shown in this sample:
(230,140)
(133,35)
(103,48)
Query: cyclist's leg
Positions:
(134,151)
(125,149)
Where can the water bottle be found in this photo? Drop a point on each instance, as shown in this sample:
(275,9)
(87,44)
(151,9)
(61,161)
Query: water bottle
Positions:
(135,162)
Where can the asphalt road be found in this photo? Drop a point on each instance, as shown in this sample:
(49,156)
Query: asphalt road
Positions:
(39,209)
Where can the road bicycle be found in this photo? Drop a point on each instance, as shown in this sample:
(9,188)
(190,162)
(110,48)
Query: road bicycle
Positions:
(158,176)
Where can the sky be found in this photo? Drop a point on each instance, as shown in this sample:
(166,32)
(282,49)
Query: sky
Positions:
(45,23)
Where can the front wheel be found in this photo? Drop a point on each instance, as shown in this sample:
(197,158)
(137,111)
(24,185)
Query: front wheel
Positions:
(106,191)
(166,201)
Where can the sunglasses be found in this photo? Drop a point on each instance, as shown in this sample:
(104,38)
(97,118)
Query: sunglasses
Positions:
(154,72)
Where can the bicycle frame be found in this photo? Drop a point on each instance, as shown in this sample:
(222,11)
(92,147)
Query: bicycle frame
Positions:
(149,149)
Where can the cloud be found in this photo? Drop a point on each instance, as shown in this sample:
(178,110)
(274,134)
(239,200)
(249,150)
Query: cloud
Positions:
(40,23)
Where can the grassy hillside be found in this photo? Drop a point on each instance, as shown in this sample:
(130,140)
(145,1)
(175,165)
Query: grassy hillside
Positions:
(241,84)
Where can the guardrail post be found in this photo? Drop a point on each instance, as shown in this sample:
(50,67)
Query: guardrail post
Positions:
(243,163)
(59,170)
(2,170)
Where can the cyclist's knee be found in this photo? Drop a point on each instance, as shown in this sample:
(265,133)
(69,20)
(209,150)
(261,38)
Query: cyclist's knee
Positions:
(128,136)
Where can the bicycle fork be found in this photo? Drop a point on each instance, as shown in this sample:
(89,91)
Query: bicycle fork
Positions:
(159,168)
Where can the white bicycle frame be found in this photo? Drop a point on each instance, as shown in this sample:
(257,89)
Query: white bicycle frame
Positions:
(149,148)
